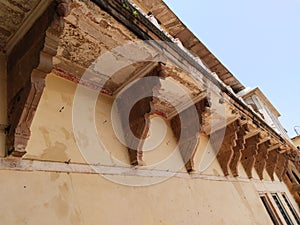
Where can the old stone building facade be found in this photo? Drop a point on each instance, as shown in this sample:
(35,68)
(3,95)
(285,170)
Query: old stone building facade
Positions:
(113,112)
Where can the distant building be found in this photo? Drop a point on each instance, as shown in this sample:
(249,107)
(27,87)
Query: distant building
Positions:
(296,141)
(261,105)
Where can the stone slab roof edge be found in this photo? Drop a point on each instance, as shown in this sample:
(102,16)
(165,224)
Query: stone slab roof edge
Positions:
(179,30)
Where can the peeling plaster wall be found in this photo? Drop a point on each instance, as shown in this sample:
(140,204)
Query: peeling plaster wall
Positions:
(57,198)
(166,146)
(52,136)
(80,198)
(71,195)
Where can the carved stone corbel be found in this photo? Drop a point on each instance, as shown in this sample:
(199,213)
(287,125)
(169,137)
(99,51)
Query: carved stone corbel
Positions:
(187,137)
(27,68)
(139,125)
(226,152)
(21,135)
(237,150)
(249,154)
(187,134)
(261,158)
(136,127)
(63,8)
(281,166)
(272,163)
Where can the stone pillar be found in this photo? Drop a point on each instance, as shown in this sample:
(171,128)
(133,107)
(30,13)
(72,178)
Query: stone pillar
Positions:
(3,104)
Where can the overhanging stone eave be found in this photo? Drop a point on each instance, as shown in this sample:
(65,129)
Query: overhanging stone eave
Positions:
(138,24)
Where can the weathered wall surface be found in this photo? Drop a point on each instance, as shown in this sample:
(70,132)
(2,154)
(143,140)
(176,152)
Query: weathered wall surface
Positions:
(60,198)
(52,131)
(80,198)
(52,185)
(52,137)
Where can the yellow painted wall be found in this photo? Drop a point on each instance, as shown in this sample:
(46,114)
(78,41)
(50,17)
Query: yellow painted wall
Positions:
(41,197)
(58,198)
(52,136)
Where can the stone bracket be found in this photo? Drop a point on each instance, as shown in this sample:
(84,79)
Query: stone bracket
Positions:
(261,158)
(27,69)
(249,154)
(272,163)
(226,151)
(281,166)
(187,134)
(28,98)
(138,122)
(237,150)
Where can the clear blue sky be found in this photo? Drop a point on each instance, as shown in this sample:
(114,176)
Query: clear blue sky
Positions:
(257,40)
